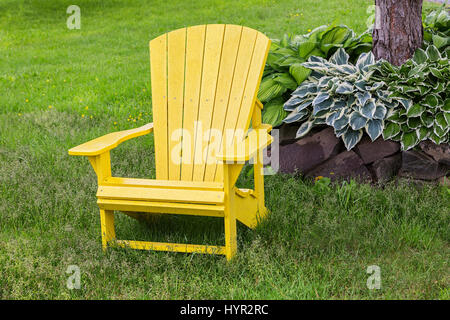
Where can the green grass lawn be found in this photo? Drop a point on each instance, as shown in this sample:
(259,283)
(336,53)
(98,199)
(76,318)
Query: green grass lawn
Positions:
(61,87)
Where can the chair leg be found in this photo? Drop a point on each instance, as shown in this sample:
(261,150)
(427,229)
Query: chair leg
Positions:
(230,234)
(107,226)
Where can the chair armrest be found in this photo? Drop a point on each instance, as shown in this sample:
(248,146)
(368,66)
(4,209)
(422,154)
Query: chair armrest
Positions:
(110,141)
(257,140)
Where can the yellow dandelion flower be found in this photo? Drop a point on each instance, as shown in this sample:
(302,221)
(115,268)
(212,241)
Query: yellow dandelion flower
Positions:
(82,115)
(64,80)
(50,107)
(134,120)
(128,119)
(115,122)
(26,100)
(86,108)
(19,114)
(309,30)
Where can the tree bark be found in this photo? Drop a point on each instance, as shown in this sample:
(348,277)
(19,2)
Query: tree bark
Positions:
(398,30)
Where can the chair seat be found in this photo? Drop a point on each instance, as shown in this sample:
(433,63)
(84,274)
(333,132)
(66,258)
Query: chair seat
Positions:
(162,191)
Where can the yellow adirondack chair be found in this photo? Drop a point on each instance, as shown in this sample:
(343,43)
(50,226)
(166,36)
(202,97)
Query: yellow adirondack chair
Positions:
(204,81)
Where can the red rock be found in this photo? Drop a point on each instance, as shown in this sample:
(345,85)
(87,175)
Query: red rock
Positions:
(372,151)
(440,153)
(419,165)
(309,152)
(342,166)
(287,133)
(384,169)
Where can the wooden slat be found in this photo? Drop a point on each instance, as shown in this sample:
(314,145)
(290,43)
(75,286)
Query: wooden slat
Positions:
(194,64)
(243,61)
(158,62)
(259,56)
(159,194)
(213,49)
(150,183)
(175,247)
(109,141)
(230,47)
(176,53)
(162,207)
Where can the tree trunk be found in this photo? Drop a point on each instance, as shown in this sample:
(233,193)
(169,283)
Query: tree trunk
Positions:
(398,30)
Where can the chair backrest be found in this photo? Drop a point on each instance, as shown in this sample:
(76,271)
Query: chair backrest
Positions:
(204,85)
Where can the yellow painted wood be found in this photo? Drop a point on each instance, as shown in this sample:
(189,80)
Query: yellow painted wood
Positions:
(258,170)
(176,247)
(208,210)
(101,165)
(255,142)
(230,48)
(171,184)
(230,215)
(109,141)
(204,85)
(176,54)
(211,63)
(159,194)
(259,56)
(107,227)
(158,63)
(195,41)
(243,62)
(246,209)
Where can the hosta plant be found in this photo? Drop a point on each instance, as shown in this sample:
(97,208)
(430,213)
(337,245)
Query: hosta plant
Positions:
(423,80)
(437,29)
(284,70)
(341,95)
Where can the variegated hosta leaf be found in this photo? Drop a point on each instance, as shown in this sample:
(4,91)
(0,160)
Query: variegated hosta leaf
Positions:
(414,123)
(292,103)
(368,109)
(374,128)
(304,90)
(441,121)
(365,60)
(351,138)
(423,133)
(363,97)
(295,116)
(406,103)
(431,101)
(380,112)
(345,88)
(433,53)
(420,56)
(391,129)
(331,117)
(357,121)
(321,106)
(409,140)
(322,96)
(341,122)
(427,119)
(339,133)
(416,110)
(340,57)
(304,128)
